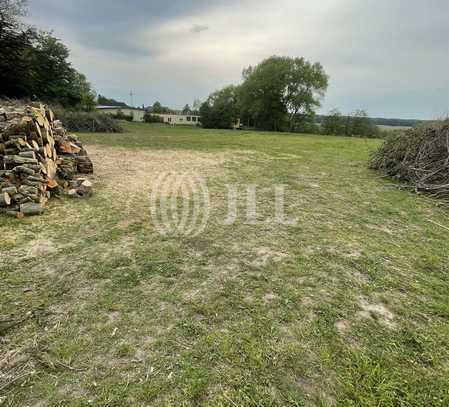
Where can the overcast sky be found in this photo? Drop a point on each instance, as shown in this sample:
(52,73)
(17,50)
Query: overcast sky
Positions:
(390,57)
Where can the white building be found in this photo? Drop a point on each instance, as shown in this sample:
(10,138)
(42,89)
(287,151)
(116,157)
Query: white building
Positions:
(137,114)
(179,119)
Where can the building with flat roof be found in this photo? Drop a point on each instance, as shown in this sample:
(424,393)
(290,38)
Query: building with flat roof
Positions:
(179,119)
(136,113)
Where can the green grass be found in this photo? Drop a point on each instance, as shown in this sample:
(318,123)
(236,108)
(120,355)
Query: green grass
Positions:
(348,307)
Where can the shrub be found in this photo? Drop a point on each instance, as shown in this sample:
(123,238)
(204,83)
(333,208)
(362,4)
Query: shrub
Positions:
(94,122)
(152,118)
(122,116)
(418,157)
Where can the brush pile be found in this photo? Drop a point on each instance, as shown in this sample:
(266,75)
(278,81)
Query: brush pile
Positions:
(418,157)
(38,159)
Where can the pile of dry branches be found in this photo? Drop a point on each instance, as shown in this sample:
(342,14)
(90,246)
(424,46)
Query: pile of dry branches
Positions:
(37,159)
(418,157)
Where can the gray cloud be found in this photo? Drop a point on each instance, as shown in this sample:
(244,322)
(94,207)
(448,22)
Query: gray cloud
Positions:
(197,28)
(390,56)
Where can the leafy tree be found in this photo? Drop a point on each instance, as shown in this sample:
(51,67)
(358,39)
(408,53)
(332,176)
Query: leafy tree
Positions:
(35,65)
(186,110)
(282,92)
(157,107)
(334,124)
(15,42)
(11,11)
(83,91)
(220,111)
(306,85)
(359,124)
(53,78)
(260,95)
(152,118)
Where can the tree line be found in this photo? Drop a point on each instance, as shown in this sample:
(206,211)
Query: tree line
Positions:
(34,64)
(282,94)
(279,94)
(355,124)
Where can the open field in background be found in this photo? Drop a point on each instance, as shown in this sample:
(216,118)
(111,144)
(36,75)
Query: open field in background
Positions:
(348,307)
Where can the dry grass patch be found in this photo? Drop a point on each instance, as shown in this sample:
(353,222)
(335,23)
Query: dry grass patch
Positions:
(125,171)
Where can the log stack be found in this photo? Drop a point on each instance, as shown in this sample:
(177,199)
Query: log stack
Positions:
(37,159)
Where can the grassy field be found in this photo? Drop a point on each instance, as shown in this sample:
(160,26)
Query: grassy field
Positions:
(349,307)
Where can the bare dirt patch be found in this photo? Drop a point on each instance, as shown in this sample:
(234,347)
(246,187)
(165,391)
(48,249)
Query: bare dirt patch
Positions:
(313,388)
(135,171)
(41,247)
(269,297)
(342,326)
(377,311)
(265,255)
(381,228)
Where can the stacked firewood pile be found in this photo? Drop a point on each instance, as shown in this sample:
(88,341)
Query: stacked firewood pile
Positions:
(38,159)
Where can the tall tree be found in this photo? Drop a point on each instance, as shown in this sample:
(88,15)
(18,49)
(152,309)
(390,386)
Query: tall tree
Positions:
(334,124)
(220,111)
(36,65)
(281,92)
(186,110)
(53,77)
(16,40)
(306,85)
(157,107)
(361,125)
(11,11)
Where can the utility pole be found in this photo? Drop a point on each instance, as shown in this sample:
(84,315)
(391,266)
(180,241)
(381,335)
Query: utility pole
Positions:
(131,94)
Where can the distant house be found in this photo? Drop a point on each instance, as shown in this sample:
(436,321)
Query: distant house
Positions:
(179,119)
(136,113)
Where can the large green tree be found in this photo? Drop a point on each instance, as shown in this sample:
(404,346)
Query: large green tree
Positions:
(220,111)
(281,92)
(53,77)
(16,40)
(35,65)
(11,11)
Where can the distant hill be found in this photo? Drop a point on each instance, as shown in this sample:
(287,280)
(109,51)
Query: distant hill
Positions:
(396,122)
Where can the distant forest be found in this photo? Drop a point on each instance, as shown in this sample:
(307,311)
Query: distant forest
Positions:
(379,121)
